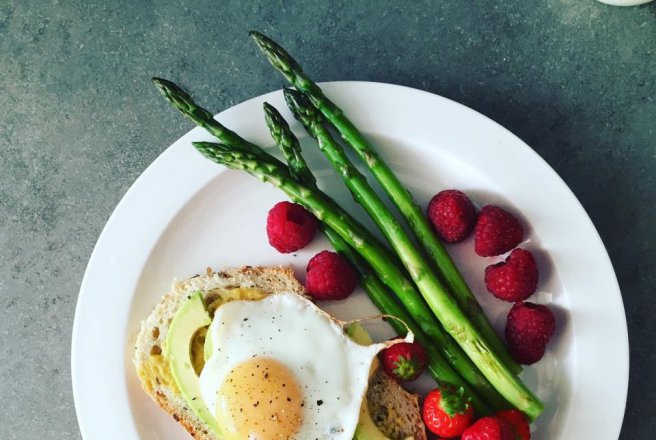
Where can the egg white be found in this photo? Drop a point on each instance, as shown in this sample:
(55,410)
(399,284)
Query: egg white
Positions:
(331,370)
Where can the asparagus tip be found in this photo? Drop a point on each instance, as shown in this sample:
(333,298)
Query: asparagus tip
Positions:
(292,93)
(211,150)
(276,55)
(218,146)
(300,105)
(260,39)
(166,87)
(161,82)
(203,148)
(269,115)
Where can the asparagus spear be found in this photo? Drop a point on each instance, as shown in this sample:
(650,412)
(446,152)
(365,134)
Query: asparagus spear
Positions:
(331,214)
(181,100)
(288,144)
(403,200)
(438,366)
(437,297)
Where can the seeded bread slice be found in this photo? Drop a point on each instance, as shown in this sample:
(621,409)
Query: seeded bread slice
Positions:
(395,411)
(155,375)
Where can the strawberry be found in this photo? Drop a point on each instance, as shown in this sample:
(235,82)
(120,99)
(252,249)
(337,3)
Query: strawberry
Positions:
(404,361)
(517,422)
(446,413)
(489,428)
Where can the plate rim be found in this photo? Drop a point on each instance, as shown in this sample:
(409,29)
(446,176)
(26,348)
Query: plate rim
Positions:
(84,295)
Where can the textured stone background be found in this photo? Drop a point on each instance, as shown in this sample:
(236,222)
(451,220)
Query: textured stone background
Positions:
(80,121)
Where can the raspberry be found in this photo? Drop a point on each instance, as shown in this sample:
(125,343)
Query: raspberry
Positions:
(514,279)
(528,329)
(290,227)
(488,428)
(330,276)
(496,232)
(452,214)
(517,422)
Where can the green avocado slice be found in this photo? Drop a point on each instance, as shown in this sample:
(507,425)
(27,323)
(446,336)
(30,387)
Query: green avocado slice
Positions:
(366,429)
(188,319)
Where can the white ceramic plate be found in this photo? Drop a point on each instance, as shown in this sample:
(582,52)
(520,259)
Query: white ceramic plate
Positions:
(625,2)
(185,213)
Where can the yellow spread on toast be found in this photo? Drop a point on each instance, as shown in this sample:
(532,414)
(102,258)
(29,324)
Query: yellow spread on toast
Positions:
(157,372)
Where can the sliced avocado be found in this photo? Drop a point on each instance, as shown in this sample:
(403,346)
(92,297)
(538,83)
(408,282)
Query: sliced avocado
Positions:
(358,334)
(208,348)
(188,319)
(366,429)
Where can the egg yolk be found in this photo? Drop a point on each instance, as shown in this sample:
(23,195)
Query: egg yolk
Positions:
(260,400)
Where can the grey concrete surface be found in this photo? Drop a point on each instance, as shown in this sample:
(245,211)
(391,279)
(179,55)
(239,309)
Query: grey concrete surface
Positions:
(80,121)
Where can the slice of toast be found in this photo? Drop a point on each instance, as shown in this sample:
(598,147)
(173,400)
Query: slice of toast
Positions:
(395,411)
(388,397)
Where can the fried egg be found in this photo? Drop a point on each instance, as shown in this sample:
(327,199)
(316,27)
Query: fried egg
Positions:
(281,368)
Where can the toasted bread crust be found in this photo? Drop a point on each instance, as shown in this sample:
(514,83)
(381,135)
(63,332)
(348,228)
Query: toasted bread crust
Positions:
(150,341)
